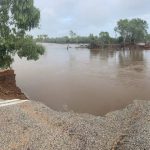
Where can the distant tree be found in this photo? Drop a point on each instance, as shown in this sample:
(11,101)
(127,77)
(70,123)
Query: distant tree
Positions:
(123,29)
(104,38)
(138,30)
(127,32)
(45,36)
(16,18)
(73,37)
(132,31)
(66,39)
(72,34)
(93,41)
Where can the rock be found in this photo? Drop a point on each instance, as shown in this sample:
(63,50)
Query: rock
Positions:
(34,126)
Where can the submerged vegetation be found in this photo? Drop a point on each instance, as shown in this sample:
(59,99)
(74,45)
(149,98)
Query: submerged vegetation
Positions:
(17,17)
(128,32)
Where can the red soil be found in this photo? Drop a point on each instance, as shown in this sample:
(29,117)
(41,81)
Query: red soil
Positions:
(8,88)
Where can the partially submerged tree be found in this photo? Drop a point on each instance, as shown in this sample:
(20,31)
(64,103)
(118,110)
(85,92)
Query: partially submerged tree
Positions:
(104,38)
(93,41)
(138,30)
(123,29)
(132,31)
(17,17)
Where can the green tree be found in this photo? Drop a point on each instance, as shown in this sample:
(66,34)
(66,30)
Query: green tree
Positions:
(138,30)
(104,38)
(148,38)
(123,29)
(17,17)
(93,41)
(132,31)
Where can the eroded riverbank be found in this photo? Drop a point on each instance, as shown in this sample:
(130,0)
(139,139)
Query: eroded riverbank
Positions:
(8,88)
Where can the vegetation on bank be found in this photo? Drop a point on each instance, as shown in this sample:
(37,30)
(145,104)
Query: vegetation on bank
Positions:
(127,32)
(17,17)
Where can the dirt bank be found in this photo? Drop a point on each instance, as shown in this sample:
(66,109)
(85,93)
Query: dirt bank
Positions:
(8,88)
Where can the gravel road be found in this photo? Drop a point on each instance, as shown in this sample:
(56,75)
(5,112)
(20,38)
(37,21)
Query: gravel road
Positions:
(33,126)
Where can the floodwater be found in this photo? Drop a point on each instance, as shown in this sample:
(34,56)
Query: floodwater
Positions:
(83,80)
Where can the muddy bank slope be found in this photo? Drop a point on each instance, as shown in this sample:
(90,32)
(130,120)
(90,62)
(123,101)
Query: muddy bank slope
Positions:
(8,88)
(33,126)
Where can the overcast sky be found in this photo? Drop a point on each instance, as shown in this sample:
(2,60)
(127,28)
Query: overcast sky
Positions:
(58,17)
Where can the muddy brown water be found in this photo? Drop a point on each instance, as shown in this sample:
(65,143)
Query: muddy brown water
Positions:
(83,80)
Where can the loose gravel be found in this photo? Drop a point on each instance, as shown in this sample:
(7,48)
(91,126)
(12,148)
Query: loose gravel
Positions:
(34,126)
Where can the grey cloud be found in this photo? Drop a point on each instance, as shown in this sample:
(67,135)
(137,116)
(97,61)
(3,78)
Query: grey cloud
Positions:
(87,16)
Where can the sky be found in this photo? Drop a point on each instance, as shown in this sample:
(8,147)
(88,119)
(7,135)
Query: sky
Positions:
(58,17)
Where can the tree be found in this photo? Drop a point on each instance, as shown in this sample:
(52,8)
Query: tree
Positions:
(104,38)
(138,30)
(123,29)
(17,17)
(132,31)
(148,38)
(93,41)
(72,34)
(45,36)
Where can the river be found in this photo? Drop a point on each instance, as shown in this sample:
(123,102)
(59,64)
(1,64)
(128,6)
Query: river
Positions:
(83,80)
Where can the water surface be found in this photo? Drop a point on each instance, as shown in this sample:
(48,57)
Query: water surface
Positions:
(84,80)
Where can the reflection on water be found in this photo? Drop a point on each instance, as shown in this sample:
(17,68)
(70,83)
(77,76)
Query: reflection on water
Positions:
(130,57)
(85,80)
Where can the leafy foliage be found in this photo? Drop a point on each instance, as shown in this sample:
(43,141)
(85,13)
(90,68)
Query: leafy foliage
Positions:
(16,18)
(132,31)
(104,38)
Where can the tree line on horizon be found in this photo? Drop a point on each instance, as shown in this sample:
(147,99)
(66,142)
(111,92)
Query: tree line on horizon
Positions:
(127,32)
